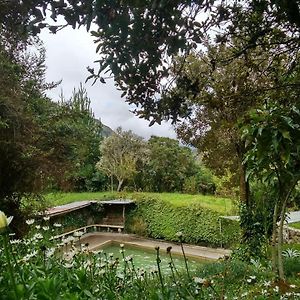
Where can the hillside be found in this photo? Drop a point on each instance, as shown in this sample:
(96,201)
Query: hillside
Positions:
(106,131)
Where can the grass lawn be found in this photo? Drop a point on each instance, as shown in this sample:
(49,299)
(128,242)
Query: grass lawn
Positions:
(295,225)
(222,205)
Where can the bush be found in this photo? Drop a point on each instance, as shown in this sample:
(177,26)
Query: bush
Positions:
(202,182)
(291,266)
(162,220)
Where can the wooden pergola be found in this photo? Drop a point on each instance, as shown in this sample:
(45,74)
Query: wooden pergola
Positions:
(114,210)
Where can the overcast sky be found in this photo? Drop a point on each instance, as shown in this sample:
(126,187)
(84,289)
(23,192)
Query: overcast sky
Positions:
(69,52)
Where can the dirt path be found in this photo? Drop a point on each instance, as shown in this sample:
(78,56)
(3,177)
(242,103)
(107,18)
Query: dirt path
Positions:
(97,240)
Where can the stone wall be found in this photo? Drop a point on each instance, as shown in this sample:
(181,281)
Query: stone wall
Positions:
(291,235)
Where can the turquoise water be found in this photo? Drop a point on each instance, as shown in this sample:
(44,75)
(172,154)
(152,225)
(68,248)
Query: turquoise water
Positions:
(146,258)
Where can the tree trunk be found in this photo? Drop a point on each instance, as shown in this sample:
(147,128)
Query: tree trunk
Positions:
(243,182)
(120,184)
(274,242)
(280,239)
(280,230)
(112,183)
(244,185)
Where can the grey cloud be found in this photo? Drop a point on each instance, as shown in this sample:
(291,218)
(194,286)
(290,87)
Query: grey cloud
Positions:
(68,54)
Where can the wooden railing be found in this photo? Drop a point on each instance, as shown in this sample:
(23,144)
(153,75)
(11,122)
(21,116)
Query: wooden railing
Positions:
(87,229)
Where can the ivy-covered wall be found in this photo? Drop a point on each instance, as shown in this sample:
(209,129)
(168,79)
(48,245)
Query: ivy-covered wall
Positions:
(159,219)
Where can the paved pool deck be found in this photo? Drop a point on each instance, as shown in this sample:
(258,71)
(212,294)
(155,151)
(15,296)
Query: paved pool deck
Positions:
(97,240)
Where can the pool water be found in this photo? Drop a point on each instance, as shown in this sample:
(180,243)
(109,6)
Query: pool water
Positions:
(146,258)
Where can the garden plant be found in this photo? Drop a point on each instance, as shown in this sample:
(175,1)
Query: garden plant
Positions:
(40,267)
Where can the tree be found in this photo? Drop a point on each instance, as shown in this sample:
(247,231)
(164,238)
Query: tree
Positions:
(120,154)
(82,133)
(219,95)
(168,29)
(168,165)
(273,156)
(37,137)
(22,161)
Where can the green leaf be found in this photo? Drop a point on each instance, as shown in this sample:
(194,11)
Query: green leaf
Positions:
(286,135)
(88,78)
(88,293)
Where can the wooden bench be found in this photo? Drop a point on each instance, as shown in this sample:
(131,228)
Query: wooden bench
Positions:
(86,229)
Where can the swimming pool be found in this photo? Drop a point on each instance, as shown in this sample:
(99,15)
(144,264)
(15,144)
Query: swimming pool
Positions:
(145,258)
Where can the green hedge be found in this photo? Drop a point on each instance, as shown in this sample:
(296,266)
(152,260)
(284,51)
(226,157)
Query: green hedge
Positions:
(161,220)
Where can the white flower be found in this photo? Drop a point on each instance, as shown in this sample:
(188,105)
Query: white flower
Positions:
(292,286)
(15,241)
(264,292)
(122,246)
(45,228)
(50,252)
(46,218)
(57,225)
(267,283)
(29,221)
(128,258)
(37,227)
(30,255)
(37,236)
(199,280)
(87,264)
(68,265)
(251,279)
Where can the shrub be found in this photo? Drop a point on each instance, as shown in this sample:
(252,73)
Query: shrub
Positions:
(202,182)
(291,266)
(162,220)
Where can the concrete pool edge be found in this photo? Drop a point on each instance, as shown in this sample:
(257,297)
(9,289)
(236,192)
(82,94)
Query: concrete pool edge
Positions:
(96,240)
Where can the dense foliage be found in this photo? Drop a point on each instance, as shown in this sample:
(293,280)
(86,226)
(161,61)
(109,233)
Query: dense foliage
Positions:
(24,163)
(79,134)
(158,165)
(168,29)
(37,267)
(43,145)
(273,157)
(162,220)
(167,165)
(122,153)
